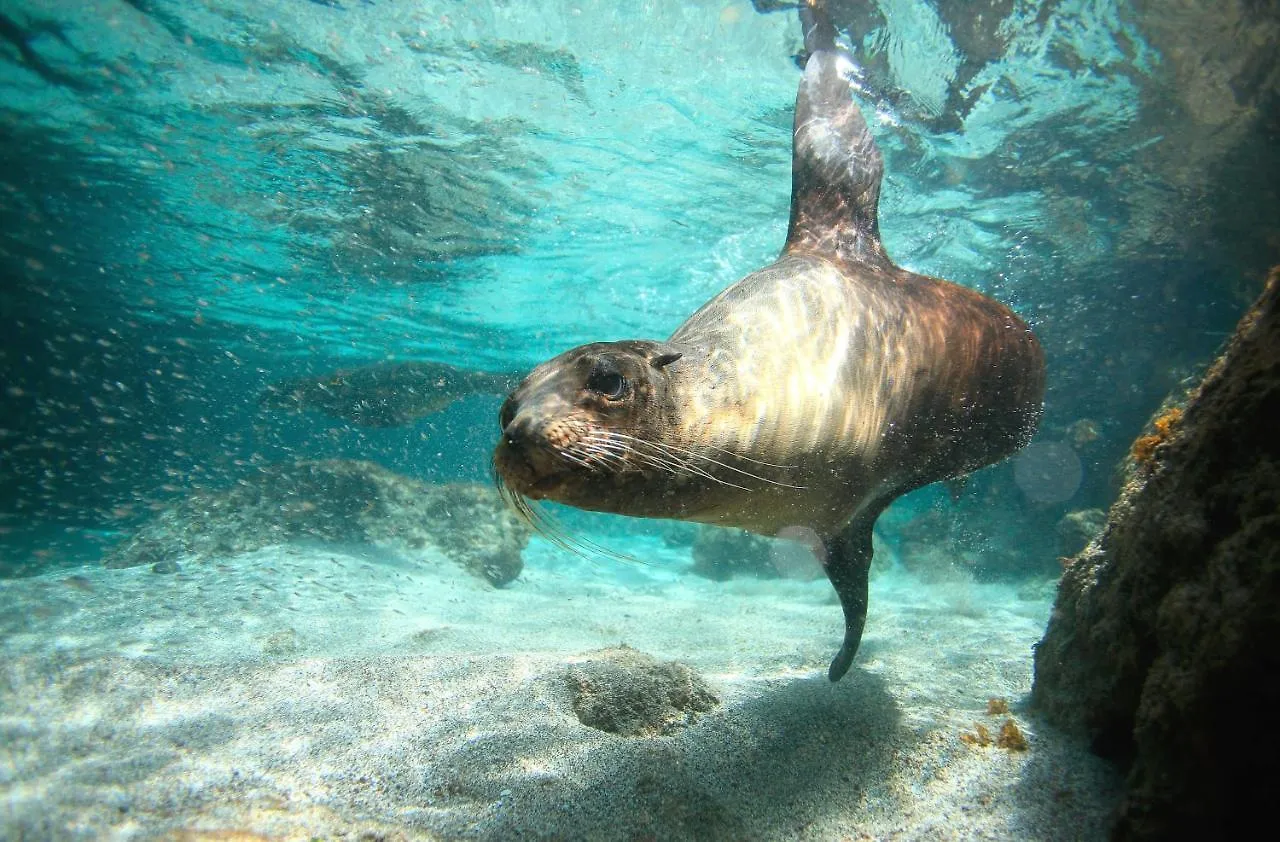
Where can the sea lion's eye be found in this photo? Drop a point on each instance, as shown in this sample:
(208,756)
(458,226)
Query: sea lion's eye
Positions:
(607,381)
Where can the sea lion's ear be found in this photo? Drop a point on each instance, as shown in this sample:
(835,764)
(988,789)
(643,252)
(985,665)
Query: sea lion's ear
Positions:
(665,358)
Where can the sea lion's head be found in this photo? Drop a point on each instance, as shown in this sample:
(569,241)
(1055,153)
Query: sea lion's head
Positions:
(580,428)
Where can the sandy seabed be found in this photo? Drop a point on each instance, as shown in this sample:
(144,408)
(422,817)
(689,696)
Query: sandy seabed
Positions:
(306,692)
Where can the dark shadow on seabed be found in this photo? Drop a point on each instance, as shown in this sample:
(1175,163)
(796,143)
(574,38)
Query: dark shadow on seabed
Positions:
(1059,803)
(763,766)
(346,745)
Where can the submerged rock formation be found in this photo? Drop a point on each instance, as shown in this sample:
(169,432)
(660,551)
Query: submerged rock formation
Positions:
(1164,645)
(721,553)
(383,394)
(1078,528)
(341,501)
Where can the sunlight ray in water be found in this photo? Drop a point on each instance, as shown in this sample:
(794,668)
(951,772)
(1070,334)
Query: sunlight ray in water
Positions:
(270,268)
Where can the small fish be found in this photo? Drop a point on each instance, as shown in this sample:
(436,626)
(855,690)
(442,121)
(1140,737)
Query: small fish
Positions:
(384,394)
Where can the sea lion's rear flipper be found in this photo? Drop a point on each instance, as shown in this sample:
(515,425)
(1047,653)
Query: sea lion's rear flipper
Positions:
(835,166)
(848,566)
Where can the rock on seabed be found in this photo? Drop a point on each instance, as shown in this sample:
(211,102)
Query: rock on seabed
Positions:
(337,500)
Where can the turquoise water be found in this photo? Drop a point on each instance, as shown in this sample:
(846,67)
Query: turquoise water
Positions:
(199,200)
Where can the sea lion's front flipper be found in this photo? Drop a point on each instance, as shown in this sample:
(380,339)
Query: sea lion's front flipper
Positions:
(848,566)
(836,167)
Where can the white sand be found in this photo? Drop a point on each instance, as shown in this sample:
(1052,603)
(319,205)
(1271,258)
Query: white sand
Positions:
(307,692)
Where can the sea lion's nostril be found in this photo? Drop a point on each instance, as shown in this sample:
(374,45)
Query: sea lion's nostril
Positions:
(515,433)
(507,414)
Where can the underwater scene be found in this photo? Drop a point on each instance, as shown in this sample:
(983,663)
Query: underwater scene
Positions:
(680,419)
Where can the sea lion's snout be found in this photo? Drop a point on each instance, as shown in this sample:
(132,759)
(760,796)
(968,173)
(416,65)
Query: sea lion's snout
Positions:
(517,430)
(521,438)
(576,419)
(535,433)
(513,434)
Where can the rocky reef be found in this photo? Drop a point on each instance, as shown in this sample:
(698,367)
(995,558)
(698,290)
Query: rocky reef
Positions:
(721,554)
(335,500)
(1164,645)
(1078,528)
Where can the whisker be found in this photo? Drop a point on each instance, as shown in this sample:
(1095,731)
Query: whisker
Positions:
(672,457)
(579,546)
(662,460)
(665,460)
(544,524)
(618,450)
(601,454)
(665,446)
(695,470)
(580,461)
(749,459)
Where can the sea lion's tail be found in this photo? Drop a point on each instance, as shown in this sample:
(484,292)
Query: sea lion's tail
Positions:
(836,167)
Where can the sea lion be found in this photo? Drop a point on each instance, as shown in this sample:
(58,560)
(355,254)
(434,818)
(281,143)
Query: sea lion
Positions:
(383,394)
(810,394)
